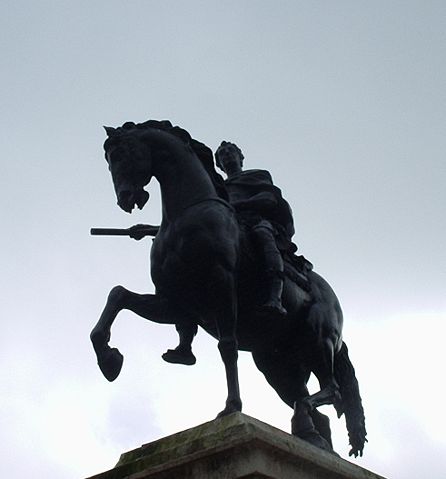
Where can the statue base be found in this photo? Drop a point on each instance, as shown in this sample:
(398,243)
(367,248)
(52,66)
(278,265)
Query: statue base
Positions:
(233,447)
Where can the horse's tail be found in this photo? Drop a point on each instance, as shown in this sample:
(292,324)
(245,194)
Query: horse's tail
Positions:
(351,401)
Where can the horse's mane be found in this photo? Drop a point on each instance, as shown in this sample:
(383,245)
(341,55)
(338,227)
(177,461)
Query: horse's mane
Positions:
(203,152)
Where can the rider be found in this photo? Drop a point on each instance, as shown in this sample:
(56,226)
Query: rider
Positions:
(263,212)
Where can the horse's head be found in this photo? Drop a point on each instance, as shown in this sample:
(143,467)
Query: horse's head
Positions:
(129,162)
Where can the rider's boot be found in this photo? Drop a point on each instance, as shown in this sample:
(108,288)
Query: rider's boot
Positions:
(183,354)
(274,304)
(274,268)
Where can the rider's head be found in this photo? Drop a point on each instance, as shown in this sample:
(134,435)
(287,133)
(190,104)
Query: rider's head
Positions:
(229,157)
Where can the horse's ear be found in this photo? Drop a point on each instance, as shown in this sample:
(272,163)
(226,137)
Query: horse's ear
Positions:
(110,131)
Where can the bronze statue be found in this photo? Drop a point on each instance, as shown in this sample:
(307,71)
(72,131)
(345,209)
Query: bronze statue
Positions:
(207,272)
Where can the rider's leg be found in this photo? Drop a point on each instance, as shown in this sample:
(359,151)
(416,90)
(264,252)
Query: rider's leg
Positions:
(264,236)
(183,354)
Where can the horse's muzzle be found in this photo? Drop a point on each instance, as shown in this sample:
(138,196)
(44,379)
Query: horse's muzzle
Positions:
(128,199)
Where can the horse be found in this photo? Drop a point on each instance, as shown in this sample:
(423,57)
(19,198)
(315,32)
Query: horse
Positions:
(203,275)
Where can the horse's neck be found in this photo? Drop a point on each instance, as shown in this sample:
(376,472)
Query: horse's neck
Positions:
(184,182)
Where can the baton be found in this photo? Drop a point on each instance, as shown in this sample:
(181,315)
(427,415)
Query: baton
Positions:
(110,232)
(149,230)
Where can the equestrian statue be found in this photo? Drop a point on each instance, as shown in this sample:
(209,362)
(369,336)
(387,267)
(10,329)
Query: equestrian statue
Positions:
(223,259)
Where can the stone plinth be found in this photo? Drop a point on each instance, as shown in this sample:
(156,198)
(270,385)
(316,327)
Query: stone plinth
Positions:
(234,447)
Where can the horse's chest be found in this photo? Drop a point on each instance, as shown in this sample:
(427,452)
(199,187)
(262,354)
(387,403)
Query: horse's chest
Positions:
(163,259)
(179,261)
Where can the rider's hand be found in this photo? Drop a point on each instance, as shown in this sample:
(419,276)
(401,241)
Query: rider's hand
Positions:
(137,232)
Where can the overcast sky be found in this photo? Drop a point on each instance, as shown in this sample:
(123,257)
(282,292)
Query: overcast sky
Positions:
(343,101)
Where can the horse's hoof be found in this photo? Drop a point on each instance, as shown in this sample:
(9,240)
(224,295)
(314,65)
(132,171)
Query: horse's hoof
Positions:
(230,408)
(110,363)
(315,439)
(176,357)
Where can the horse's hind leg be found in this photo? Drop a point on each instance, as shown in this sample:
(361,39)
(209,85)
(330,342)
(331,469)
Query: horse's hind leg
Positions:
(289,381)
(324,371)
(312,426)
(322,424)
(323,362)
(148,306)
(306,426)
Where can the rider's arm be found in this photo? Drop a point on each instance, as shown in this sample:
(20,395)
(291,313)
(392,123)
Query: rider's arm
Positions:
(261,202)
(140,231)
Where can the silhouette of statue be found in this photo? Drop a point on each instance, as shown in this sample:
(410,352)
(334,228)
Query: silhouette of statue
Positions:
(207,271)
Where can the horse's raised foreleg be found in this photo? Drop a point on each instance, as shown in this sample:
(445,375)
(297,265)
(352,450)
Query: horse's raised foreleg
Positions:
(149,306)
